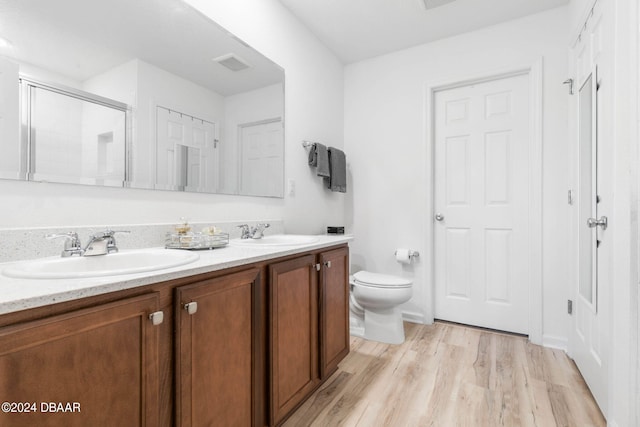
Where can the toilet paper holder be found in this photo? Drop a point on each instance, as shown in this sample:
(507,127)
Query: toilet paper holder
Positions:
(412,254)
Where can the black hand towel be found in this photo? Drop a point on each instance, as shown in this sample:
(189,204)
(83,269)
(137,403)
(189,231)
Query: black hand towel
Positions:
(338,167)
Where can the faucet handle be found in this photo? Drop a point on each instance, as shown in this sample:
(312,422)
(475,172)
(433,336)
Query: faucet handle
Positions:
(72,239)
(111,241)
(72,245)
(109,233)
(245,232)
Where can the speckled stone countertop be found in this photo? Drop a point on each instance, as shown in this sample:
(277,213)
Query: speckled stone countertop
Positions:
(22,294)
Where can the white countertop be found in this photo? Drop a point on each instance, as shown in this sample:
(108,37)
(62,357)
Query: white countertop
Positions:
(22,294)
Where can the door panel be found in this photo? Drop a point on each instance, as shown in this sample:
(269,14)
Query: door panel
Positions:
(334,310)
(216,352)
(293,334)
(592,251)
(101,363)
(586,345)
(481,189)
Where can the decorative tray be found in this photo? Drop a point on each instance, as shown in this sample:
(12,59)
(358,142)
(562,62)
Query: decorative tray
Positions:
(196,241)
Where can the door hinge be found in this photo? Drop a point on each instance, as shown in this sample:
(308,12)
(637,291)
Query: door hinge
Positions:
(569,306)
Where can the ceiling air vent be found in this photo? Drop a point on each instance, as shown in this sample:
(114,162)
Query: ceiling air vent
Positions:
(232,62)
(430,4)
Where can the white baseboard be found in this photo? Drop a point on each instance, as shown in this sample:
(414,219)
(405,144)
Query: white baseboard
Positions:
(413,317)
(560,343)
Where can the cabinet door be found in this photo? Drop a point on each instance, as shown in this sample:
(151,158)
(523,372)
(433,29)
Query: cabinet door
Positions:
(216,345)
(92,367)
(293,325)
(334,309)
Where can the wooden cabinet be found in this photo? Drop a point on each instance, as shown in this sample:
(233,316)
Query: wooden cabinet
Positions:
(334,309)
(216,348)
(91,367)
(308,326)
(238,347)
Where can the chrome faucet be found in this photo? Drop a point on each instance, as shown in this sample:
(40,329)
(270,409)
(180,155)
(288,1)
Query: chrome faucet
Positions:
(99,244)
(102,243)
(256,232)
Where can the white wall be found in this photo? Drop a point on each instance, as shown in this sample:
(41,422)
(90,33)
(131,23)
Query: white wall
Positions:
(386,135)
(314,110)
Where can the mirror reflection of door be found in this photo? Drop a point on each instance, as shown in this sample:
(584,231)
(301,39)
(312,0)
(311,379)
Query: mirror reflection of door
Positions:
(261,161)
(588,236)
(186,152)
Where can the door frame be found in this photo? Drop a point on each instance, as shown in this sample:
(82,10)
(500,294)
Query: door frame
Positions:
(534,72)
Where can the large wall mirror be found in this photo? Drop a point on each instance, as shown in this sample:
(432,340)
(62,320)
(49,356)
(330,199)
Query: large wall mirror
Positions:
(142,94)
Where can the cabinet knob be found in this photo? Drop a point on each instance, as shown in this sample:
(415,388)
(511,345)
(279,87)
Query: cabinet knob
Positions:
(156,318)
(191,307)
(316,266)
(328,264)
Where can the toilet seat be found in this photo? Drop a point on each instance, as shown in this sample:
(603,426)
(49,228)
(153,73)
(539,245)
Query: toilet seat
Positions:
(376,280)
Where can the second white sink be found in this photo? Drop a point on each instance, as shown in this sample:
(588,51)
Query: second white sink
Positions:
(124,262)
(279,240)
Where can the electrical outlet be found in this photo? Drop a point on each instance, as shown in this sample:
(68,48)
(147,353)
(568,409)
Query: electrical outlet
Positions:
(292,188)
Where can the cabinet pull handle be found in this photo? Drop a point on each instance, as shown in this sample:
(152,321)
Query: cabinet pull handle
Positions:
(316,266)
(328,264)
(191,307)
(156,318)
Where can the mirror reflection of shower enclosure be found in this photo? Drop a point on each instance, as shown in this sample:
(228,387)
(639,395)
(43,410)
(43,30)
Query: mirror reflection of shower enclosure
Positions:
(73,137)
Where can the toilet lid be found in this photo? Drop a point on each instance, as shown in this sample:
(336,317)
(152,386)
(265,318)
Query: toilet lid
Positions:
(381,280)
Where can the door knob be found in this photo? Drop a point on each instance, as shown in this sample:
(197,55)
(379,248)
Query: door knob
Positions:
(602,222)
(439,217)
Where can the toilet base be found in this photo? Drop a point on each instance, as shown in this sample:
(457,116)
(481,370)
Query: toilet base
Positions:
(384,326)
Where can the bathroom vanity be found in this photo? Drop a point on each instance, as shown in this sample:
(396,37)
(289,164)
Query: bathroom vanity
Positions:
(240,337)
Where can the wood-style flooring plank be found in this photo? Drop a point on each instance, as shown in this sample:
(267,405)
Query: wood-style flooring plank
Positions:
(455,376)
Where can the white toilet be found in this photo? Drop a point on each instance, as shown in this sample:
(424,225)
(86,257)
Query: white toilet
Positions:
(374,306)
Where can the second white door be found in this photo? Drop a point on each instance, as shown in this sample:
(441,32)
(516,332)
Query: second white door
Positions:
(481,204)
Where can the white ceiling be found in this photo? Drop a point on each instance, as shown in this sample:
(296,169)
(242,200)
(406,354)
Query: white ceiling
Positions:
(82,38)
(361,29)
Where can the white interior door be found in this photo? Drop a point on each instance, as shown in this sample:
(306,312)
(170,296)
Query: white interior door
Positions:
(587,346)
(261,161)
(592,249)
(481,204)
(186,152)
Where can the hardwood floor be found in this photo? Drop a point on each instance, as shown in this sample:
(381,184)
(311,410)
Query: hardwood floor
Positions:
(447,375)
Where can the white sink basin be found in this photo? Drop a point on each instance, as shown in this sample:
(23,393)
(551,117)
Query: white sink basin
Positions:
(278,240)
(124,262)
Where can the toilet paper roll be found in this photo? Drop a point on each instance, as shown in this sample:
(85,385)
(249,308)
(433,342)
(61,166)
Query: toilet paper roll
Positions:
(403,256)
